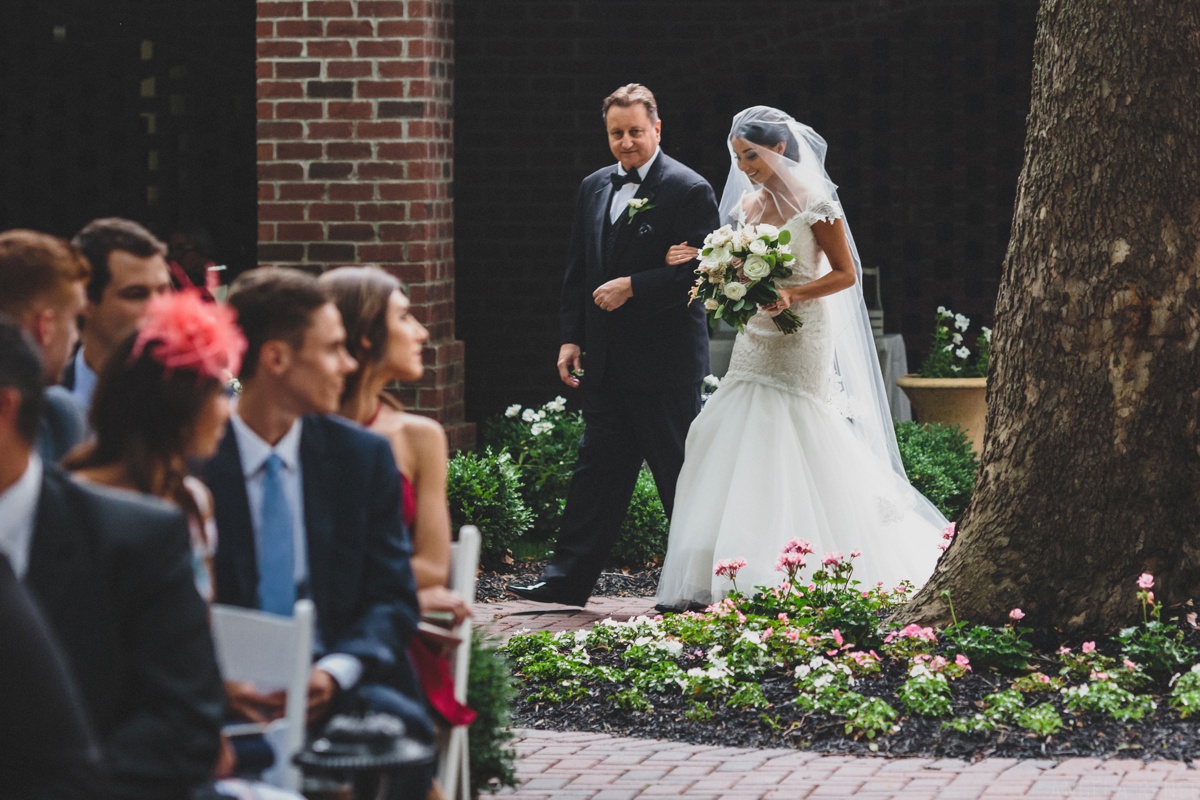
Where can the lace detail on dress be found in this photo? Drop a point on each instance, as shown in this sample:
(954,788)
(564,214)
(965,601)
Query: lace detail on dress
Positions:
(822,211)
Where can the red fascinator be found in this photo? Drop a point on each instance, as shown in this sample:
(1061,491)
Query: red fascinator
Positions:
(181,331)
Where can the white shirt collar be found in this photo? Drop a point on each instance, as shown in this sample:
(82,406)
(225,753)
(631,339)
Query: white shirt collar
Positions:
(254,451)
(18,515)
(644,169)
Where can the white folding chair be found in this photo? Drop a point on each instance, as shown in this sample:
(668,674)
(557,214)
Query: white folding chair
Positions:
(454,769)
(273,653)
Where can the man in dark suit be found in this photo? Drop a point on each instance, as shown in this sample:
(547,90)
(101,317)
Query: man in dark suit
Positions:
(626,316)
(112,573)
(308,504)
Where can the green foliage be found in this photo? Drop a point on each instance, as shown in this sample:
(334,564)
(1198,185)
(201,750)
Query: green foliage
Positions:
(748,695)
(643,535)
(483,489)
(926,695)
(1042,719)
(698,711)
(1003,647)
(1157,646)
(872,718)
(940,464)
(490,692)
(1185,692)
(1107,697)
(631,700)
(543,444)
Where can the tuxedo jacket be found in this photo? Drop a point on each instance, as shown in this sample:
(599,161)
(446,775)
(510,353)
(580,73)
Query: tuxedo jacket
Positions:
(657,340)
(360,578)
(112,572)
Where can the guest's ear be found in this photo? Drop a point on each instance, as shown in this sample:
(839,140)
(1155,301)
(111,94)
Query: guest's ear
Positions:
(43,326)
(275,356)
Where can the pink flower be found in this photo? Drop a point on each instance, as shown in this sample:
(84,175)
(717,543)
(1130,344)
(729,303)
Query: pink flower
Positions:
(831,559)
(729,569)
(798,546)
(1016,614)
(913,631)
(181,331)
(768,633)
(1149,597)
(963,662)
(1088,647)
(1043,678)
(791,563)
(792,636)
(855,553)
(1099,676)
(1129,664)
(937,664)
(782,618)
(1062,651)
(1146,581)
(948,531)
(837,637)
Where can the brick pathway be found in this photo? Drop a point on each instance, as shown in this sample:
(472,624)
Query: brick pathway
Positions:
(555,765)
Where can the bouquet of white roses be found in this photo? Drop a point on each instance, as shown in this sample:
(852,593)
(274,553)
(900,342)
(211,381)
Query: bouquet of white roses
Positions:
(737,274)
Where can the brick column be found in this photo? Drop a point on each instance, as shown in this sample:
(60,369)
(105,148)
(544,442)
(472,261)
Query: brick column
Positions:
(355,154)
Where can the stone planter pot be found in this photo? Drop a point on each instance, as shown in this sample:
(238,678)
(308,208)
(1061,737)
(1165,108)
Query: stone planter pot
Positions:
(952,401)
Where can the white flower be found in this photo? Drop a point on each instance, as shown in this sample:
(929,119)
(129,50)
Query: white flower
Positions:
(720,255)
(763,229)
(720,237)
(636,202)
(948,348)
(711,382)
(962,352)
(512,410)
(783,248)
(711,305)
(558,404)
(961,322)
(756,267)
(734,290)
(758,247)
(532,415)
(944,312)
(741,239)
(987,334)
(538,428)
(957,338)
(672,646)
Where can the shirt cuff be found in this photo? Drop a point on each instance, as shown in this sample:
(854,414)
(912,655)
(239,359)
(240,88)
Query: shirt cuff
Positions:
(345,669)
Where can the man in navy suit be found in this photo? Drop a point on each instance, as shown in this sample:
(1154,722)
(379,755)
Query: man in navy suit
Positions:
(112,573)
(625,316)
(308,504)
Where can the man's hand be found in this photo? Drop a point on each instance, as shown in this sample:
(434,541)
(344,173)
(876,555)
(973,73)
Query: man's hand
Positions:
(321,689)
(612,295)
(247,703)
(569,364)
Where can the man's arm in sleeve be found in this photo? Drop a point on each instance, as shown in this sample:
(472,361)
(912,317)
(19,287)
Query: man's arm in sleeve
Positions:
(575,295)
(664,287)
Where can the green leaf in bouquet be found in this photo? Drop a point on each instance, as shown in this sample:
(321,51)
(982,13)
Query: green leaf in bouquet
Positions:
(785,236)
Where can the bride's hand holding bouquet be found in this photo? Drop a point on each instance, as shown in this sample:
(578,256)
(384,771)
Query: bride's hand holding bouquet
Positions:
(737,274)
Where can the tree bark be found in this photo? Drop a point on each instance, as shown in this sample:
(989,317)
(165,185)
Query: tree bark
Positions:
(1091,465)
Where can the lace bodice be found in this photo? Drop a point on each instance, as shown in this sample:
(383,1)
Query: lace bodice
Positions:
(801,362)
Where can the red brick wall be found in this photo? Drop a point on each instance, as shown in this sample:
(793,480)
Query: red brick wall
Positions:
(355,153)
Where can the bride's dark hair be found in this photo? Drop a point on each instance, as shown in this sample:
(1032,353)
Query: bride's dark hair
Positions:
(767,132)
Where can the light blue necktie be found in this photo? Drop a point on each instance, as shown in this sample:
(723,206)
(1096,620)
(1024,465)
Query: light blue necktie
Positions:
(276,551)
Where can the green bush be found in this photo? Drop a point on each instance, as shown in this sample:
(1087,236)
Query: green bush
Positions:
(940,464)
(543,444)
(483,490)
(490,692)
(643,536)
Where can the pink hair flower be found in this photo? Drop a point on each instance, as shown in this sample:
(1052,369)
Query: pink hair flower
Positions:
(1146,581)
(181,331)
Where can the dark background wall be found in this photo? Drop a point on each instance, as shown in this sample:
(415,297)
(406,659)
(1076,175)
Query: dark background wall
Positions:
(923,105)
(136,108)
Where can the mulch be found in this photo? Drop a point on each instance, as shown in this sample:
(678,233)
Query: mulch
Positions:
(1161,735)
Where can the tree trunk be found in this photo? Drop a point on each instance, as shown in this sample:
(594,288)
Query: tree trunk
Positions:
(1091,465)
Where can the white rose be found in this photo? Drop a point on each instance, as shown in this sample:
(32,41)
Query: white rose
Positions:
(711,305)
(530,415)
(512,410)
(734,290)
(637,202)
(770,231)
(758,247)
(720,237)
(756,267)
(720,255)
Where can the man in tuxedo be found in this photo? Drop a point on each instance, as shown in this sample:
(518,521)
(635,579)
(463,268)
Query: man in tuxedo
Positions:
(129,266)
(112,574)
(627,317)
(42,281)
(308,505)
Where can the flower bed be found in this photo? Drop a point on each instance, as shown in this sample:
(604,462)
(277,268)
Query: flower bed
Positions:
(815,664)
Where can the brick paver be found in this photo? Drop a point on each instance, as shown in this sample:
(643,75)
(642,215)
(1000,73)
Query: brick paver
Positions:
(558,765)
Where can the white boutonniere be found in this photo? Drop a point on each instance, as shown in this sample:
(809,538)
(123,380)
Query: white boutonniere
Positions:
(637,205)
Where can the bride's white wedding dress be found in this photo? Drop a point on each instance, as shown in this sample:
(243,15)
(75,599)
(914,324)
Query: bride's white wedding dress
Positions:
(773,456)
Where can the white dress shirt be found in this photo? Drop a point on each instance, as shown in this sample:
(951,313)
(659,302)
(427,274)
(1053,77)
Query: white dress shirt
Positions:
(622,196)
(254,452)
(18,515)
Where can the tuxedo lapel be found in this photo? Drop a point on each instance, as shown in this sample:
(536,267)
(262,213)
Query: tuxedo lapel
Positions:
(315,464)
(627,226)
(57,555)
(236,554)
(601,199)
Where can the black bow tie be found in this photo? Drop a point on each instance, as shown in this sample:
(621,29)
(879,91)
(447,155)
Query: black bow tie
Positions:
(620,180)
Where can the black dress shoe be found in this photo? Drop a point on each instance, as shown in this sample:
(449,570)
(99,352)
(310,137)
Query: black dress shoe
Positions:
(545,592)
(663,608)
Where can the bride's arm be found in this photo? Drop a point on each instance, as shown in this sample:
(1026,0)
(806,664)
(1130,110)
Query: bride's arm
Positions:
(831,237)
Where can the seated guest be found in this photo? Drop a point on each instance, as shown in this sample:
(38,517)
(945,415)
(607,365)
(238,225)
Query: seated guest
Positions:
(308,504)
(387,341)
(128,268)
(41,287)
(46,747)
(112,573)
(160,401)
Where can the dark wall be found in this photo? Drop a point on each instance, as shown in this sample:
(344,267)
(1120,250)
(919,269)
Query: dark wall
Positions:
(136,108)
(923,105)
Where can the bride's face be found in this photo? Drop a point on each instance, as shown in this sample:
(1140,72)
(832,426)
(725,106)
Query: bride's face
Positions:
(750,161)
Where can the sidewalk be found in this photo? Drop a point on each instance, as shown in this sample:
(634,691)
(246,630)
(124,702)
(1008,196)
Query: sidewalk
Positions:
(555,765)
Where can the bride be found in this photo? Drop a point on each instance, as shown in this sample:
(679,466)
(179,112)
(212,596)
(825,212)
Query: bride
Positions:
(797,443)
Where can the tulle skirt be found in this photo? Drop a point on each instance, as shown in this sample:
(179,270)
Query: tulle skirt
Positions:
(764,465)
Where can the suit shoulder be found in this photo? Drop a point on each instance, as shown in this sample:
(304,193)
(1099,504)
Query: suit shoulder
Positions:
(117,514)
(597,177)
(682,173)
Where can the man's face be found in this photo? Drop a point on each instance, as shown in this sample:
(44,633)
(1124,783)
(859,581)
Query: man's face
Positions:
(62,334)
(134,281)
(632,137)
(315,373)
